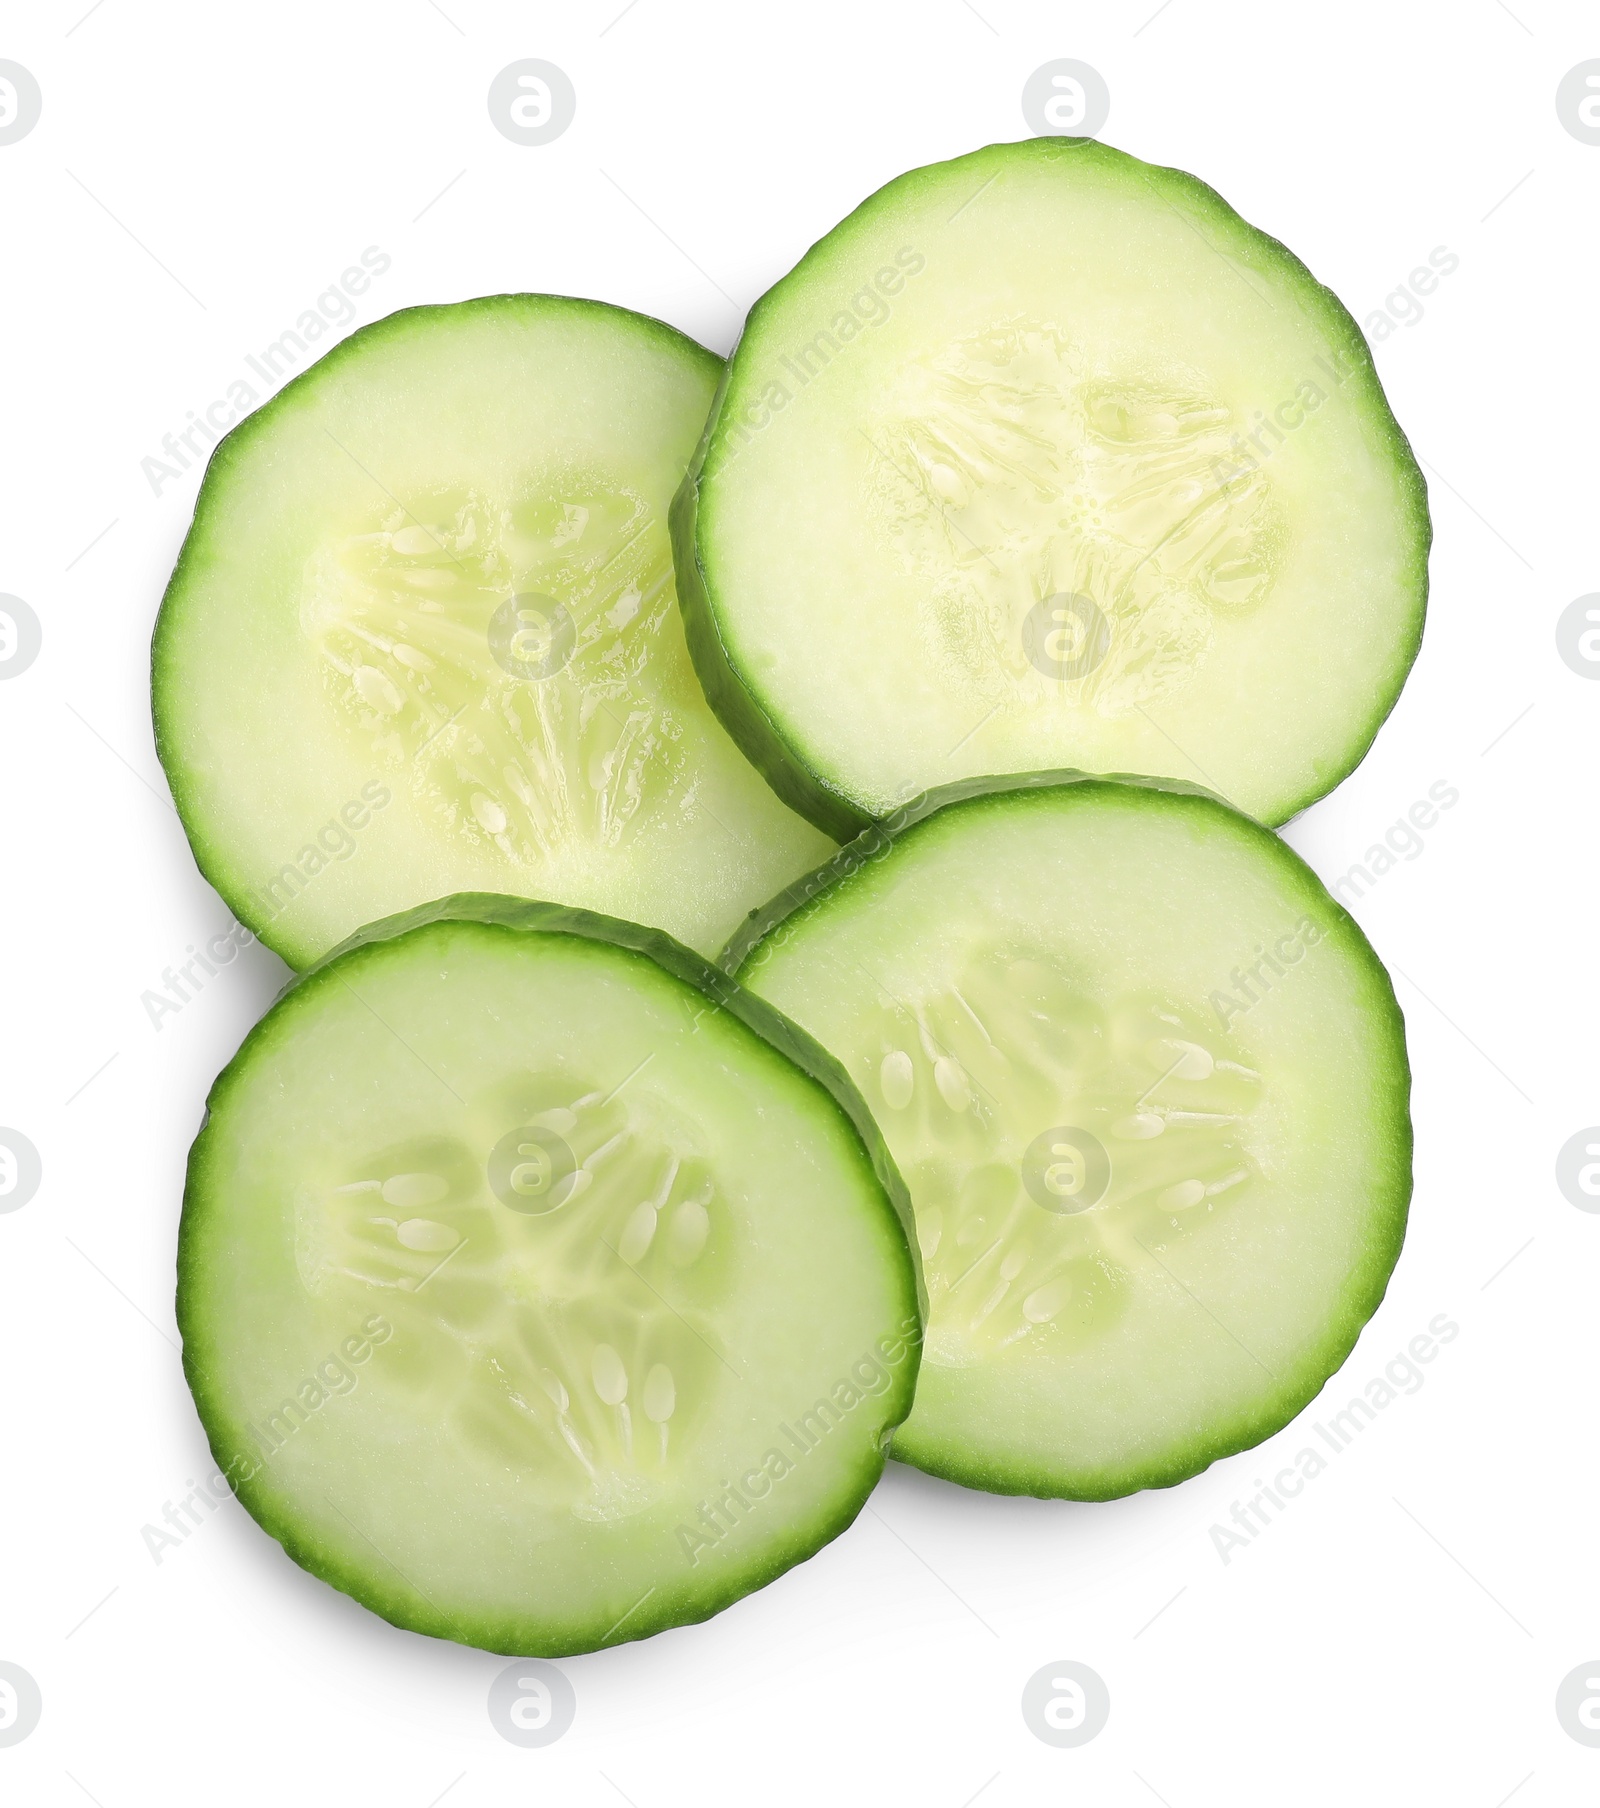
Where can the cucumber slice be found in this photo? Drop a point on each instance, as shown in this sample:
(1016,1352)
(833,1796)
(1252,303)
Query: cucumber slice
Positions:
(1045,458)
(538,1287)
(1147,1083)
(423,638)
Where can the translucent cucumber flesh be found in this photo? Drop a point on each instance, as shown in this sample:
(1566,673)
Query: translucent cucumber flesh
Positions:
(1012,1040)
(570,1346)
(402,617)
(510,1259)
(1147,1085)
(1010,474)
(424,638)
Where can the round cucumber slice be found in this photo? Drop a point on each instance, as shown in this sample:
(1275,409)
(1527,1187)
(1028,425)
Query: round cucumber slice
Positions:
(423,638)
(538,1287)
(1147,1083)
(1045,458)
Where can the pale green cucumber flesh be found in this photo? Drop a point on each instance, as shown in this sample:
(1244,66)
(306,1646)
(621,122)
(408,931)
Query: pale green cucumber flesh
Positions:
(1044,458)
(539,1288)
(1148,1085)
(423,638)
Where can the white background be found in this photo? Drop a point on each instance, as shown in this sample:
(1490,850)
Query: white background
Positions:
(200,174)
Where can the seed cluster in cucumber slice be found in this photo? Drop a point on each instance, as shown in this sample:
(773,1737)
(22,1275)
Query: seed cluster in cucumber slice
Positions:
(1148,1085)
(1045,458)
(537,1287)
(423,638)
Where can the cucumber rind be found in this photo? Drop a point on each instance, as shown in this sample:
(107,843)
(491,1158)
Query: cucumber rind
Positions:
(1365,1285)
(875,839)
(737,697)
(210,853)
(406,1607)
(736,703)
